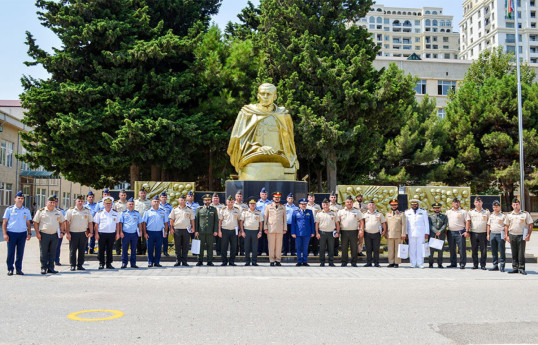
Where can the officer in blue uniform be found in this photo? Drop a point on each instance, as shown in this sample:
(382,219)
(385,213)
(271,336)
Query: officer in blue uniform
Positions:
(302,229)
(16,230)
(100,204)
(288,242)
(59,247)
(130,230)
(168,208)
(92,206)
(155,229)
(263,246)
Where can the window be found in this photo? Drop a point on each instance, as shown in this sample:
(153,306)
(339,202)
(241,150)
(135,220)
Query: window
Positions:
(445,39)
(386,21)
(379,20)
(6,153)
(372,19)
(40,197)
(428,22)
(6,190)
(66,200)
(417,39)
(434,22)
(420,89)
(444,86)
(447,56)
(441,113)
(417,22)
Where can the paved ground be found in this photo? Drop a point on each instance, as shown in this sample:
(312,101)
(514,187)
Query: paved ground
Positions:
(268,305)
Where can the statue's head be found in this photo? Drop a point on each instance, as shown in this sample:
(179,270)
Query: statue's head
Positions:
(267,94)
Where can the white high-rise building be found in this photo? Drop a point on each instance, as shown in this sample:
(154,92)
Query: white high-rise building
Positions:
(485,26)
(400,32)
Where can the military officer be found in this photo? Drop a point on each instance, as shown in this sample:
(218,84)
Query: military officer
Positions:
(252,231)
(456,233)
(438,224)
(275,227)
(92,206)
(327,229)
(181,225)
(190,201)
(375,226)
(288,245)
(119,206)
(335,207)
(155,229)
(142,204)
(418,230)
(241,206)
(78,227)
(47,221)
(495,236)
(101,204)
(396,232)
(359,205)
(230,226)
(207,226)
(59,246)
(260,206)
(303,228)
(130,230)
(312,206)
(351,222)
(168,208)
(517,230)
(477,220)
(107,230)
(215,202)
(17,230)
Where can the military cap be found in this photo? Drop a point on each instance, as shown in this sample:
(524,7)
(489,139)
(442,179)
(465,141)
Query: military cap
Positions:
(90,193)
(164,194)
(106,190)
(190,193)
(496,203)
(349,197)
(332,193)
(303,201)
(230,198)
(356,196)
(478,198)
(55,197)
(263,190)
(436,205)
(142,189)
(414,202)
(182,196)
(515,201)
(325,201)
(277,194)
(239,192)
(252,200)
(51,198)
(156,197)
(393,202)
(371,201)
(311,194)
(290,195)
(130,200)
(80,197)
(108,200)
(123,191)
(455,200)
(215,195)
(206,197)
(19,193)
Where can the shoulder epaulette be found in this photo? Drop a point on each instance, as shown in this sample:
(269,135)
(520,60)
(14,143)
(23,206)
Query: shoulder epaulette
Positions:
(41,209)
(187,207)
(72,208)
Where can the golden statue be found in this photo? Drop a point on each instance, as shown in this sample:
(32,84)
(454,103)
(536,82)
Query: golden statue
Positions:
(262,146)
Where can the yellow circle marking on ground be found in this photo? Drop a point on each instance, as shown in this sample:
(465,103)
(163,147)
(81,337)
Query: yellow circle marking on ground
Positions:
(115,315)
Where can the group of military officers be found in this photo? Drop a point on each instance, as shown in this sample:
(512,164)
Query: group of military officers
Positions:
(262,226)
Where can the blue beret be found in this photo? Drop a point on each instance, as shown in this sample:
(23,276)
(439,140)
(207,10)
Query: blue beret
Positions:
(130,200)
(106,190)
(303,201)
(263,190)
(90,193)
(163,194)
(290,195)
(156,197)
(190,193)
(19,193)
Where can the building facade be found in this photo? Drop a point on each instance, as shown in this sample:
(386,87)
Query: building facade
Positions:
(485,26)
(400,32)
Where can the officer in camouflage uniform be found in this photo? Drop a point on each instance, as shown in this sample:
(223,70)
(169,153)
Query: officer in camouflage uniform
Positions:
(206,228)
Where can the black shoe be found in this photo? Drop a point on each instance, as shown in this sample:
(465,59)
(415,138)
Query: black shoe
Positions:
(232,264)
(242,253)
(272,264)
(475,267)
(293,253)
(331,264)
(157,265)
(361,254)
(396,265)
(462,267)
(200,263)
(43,271)
(150,265)
(255,264)
(247,263)
(322,264)
(123,266)
(430,265)
(495,268)
(92,251)
(299,264)
(452,266)
(440,266)
(177,264)
(224,264)
(185,264)
(502,268)
(52,271)
(118,252)
(278,263)
(367,265)
(134,266)
(166,254)
(344,264)
(210,264)
(72,268)
(513,271)
(316,254)
(19,273)
(10,272)
(520,271)
(58,263)
(101,267)
(306,264)
(483,268)
(377,265)
(110,267)
(80,268)
(390,265)
(354,265)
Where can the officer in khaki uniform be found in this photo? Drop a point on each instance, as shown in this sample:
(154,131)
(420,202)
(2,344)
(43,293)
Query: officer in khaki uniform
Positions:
(207,226)
(477,220)
(518,228)
(327,222)
(359,205)
(438,225)
(241,206)
(396,232)
(312,206)
(495,236)
(47,221)
(375,226)
(215,202)
(335,207)
(275,227)
(79,219)
(181,224)
(351,222)
(252,231)
(230,228)
(457,234)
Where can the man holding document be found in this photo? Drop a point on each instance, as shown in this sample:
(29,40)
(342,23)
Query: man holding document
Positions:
(181,225)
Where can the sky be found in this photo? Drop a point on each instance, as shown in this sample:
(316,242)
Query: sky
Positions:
(19,16)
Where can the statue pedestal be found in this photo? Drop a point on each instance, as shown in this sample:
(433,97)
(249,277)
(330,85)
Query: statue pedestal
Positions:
(270,171)
(252,188)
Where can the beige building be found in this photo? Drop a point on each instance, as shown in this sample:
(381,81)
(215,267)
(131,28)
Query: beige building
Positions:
(401,31)
(36,184)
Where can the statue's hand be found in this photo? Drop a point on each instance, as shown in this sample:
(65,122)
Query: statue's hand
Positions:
(267,150)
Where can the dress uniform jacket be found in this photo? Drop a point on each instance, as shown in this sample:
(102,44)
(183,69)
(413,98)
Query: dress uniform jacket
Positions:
(418,224)
(181,216)
(275,219)
(302,223)
(79,220)
(496,223)
(207,220)
(479,220)
(373,221)
(49,221)
(120,206)
(396,224)
(438,223)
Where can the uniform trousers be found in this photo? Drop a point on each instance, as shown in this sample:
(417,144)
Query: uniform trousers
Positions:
(517,244)
(301,245)
(439,255)
(155,244)
(349,242)
(372,241)
(206,243)
(47,247)
(77,246)
(128,239)
(228,238)
(218,244)
(479,241)
(275,246)
(106,245)
(416,254)
(240,245)
(498,244)
(393,250)
(326,242)
(251,245)
(181,242)
(17,241)
(455,239)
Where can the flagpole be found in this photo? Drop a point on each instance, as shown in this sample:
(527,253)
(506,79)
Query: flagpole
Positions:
(520,115)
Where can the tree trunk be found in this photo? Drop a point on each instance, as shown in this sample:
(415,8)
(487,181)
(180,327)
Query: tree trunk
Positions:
(134,174)
(155,173)
(331,171)
(210,171)
(508,195)
(164,175)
